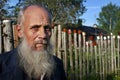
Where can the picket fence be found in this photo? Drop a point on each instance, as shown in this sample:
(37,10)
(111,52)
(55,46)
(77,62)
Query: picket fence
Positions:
(83,59)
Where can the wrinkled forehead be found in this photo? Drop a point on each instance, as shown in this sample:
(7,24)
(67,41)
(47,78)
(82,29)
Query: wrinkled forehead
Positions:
(36,12)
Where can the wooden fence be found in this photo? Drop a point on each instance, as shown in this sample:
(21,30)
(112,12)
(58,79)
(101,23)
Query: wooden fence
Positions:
(83,60)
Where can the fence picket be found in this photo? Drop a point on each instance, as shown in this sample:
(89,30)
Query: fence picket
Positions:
(70,47)
(7,35)
(59,41)
(118,54)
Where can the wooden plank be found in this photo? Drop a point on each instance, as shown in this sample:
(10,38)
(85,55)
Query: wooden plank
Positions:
(112,58)
(99,54)
(70,48)
(83,54)
(118,54)
(59,41)
(105,55)
(96,60)
(76,54)
(54,39)
(87,55)
(114,55)
(91,57)
(15,35)
(65,51)
(80,53)
(7,34)
(108,54)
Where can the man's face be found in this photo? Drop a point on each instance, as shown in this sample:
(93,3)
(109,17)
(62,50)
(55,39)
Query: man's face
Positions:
(36,28)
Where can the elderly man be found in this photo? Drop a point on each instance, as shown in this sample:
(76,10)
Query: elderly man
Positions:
(32,59)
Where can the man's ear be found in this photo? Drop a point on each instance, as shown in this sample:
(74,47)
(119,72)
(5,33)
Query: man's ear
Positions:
(19,31)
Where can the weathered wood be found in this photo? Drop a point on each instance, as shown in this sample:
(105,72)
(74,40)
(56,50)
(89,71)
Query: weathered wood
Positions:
(76,54)
(59,41)
(99,58)
(65,51)
(8,35)
(70,44)
(109,54)
(54,40)
(80,53)
(91,56)
(105,55)
(112,60)
(96,59)
(114,55)
(83,34)
(118,53)
(83,54)
(15,35)
(87,59)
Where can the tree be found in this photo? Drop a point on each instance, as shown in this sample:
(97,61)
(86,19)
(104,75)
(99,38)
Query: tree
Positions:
(108,17)
(3,7)
(14,9)
(117,27)
(63,11)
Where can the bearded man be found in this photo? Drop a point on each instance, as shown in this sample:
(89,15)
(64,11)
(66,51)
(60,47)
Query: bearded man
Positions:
(32,59)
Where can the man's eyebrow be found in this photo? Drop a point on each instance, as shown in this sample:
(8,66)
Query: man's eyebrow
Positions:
(34,26)
(38,25)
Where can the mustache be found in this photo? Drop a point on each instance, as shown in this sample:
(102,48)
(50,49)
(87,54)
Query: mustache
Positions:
(41,42)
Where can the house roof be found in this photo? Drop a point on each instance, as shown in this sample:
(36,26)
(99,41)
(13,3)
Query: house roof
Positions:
(93,30)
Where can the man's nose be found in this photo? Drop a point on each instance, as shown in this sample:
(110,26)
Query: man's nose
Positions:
(42,33)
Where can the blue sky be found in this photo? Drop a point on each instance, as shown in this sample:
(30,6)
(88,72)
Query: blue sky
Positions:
(93,10)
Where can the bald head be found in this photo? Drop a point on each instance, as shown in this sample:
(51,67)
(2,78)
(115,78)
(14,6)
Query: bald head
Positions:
(29,10)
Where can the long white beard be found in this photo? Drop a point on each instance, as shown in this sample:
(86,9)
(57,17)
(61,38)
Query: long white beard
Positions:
(35,63)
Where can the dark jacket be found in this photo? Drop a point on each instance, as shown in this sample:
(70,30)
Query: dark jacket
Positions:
(9,69)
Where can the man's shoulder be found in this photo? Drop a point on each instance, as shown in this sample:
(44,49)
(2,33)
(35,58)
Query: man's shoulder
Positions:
(4,56)
(59,71)
(57,59)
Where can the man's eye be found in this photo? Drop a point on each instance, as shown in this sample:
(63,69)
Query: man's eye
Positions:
(47,28)
(35,28)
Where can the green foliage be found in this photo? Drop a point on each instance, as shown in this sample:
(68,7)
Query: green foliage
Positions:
(3,6)
(63,11)
(109,17)
(117,28)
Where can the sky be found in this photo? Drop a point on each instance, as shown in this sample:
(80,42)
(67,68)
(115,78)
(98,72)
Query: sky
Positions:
(93,10)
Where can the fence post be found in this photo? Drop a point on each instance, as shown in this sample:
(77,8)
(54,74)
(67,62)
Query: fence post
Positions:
(15,35)
(70,44)
(76,54)
(114,54)
(109,54)
(112,60)
(80,53)
(99,57)
(118,51)
(59,41)
(83,53)
(7,35)
(64,49)
(105,56)
(53,39)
